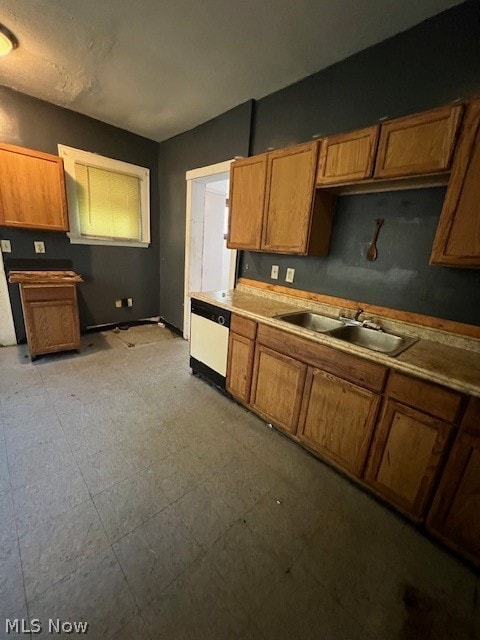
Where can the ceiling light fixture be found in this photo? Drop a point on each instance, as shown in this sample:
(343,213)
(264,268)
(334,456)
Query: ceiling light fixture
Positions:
(7,41)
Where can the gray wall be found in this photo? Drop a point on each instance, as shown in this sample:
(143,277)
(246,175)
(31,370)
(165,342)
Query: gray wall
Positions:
(217,140)
(110,272)
(429,65)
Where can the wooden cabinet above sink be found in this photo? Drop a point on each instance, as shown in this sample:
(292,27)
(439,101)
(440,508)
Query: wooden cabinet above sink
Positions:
(418,144)
(348,156)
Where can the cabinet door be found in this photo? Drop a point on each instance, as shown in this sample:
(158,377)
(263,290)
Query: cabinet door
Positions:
(288,205)
(405,457)
(347,157)
(52,326)
(337,419)
(277,387)
(457,241)
(247,199)
(32,190)
(455,513)
(417,144)
(240,364)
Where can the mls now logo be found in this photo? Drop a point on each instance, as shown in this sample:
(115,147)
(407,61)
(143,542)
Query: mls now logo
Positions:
(20,625)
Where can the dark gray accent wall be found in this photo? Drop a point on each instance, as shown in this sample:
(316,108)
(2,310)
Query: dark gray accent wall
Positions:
(427,66)
(215,141)
(109,272)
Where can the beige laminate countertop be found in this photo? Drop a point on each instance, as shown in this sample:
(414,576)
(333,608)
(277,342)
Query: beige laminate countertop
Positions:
(449,360)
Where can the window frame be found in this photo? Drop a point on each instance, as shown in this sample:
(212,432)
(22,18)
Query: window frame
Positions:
(70,155)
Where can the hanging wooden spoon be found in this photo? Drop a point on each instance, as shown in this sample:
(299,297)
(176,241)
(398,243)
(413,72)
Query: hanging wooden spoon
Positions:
(372,249)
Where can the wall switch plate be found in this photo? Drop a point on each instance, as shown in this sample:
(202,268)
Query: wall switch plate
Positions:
(274,273)
(290,275)
(118,304)
(129,302)
(6,246)
(39,247)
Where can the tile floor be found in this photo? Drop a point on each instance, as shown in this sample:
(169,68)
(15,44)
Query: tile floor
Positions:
(137,498)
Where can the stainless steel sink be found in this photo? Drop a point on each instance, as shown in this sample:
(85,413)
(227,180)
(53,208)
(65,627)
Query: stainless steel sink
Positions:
(380,341)
(312,321)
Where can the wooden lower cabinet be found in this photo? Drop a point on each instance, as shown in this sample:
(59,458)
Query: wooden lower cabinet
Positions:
(455,513)
(406,456)
(241,351)
(277,387)
(337,419)
(51,319)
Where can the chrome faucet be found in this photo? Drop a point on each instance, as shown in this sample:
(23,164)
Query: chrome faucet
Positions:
(352,321)
(358,313)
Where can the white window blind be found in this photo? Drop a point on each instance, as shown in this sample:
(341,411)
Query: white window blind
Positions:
(109,204)
(108,199)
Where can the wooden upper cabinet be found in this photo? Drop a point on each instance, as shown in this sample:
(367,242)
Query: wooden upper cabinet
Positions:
(457,241)
(418,144)
(277,387)
(406,455)
(247,199)
(288,204)
(337,419)
(347,157)
(455,513)
(32,190)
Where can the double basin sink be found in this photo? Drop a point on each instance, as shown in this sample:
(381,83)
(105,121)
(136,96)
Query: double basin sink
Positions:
(373,339)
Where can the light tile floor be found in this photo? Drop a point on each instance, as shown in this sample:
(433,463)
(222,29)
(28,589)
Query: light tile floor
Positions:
(136,497)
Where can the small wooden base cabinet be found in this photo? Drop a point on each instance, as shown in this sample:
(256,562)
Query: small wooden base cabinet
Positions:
(413,443)
(50,310)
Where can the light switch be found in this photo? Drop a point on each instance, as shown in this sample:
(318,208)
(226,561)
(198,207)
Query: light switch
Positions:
(274,272)
(39,246)
(290,275)
(6,246)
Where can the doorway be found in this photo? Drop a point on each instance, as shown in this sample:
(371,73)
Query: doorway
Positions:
(7,328)
(209,264)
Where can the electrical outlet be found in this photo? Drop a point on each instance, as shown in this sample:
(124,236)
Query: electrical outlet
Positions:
(39,247)
(129,302)
(118,304)
(274,273)
(290,275)
(6,246)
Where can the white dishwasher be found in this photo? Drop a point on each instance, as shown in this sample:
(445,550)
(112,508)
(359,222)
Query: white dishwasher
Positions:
(209,329)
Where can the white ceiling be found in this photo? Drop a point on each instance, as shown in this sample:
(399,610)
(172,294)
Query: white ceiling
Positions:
(160,67)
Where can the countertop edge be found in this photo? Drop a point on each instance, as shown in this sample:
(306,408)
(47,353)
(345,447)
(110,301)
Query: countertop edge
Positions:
(388,361)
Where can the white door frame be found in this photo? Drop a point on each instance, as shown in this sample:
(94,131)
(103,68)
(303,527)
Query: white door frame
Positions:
(196,183)
(7,328)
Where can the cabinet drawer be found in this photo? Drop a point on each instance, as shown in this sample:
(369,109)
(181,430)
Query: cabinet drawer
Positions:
(421,143)
(357,370)
(437,401)
(46,293)
(348,156)
(243,326)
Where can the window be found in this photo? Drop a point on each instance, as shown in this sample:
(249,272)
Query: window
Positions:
(108,200)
